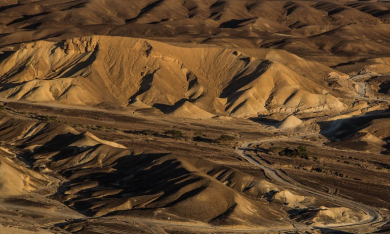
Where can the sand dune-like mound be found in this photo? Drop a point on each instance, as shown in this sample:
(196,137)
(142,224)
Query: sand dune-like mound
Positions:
(95,71)
(289,198)
(289,123)
(337,215)
(189,110)
(372,139)
(325,216)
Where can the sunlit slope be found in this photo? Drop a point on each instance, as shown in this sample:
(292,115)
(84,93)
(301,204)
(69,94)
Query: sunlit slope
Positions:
(117,71)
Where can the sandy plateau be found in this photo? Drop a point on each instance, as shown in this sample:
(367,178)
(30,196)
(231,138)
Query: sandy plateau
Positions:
(194,116)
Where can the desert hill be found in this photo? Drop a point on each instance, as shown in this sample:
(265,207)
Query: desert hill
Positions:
(365,133)
(16,179)
(115,71)
(307,28)
(102,178)
(200,58)
(194,116)
(291,122)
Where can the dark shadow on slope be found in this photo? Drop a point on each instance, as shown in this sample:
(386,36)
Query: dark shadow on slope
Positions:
(344,128)
(59,142)
(335,11)
(32,26)
(5,55)
(331,231)
(302,214)
(290,7)
(218,6)
(381,13)
(240,81)
(170,108)
(145,10)
(141,176)
(265,120)
(6,86)
(385,229)
(384,88)
(79,5)
(146,84)
(81,65)
(3,8)
(352,62)
(232,92)
(387,146)
(234,23)
(224,215)
(27,17)
(274,43)
(203,139)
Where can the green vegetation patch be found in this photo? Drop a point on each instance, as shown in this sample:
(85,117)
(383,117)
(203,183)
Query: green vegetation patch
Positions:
(301,152)
(225,138)
(174,134)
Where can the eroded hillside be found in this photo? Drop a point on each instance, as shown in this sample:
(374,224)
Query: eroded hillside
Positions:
(114,71)
(194,116)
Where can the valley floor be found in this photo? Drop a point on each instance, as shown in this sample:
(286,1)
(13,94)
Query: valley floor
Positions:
(351,186)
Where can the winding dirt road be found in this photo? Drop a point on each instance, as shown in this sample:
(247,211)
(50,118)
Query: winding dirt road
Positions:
(372,216)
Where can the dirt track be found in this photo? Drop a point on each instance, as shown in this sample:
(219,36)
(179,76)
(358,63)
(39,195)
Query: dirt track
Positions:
(373,216)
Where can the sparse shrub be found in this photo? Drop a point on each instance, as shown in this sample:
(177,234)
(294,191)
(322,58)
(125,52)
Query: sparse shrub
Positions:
(225,138)
(301,152)
(148,132)
(174,134)
(43,118)
(52,118)
(110,129)
(288,152)
(317,169)
(199,133)
(275,150)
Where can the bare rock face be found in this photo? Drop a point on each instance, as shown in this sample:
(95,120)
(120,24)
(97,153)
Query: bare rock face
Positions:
(83,45)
